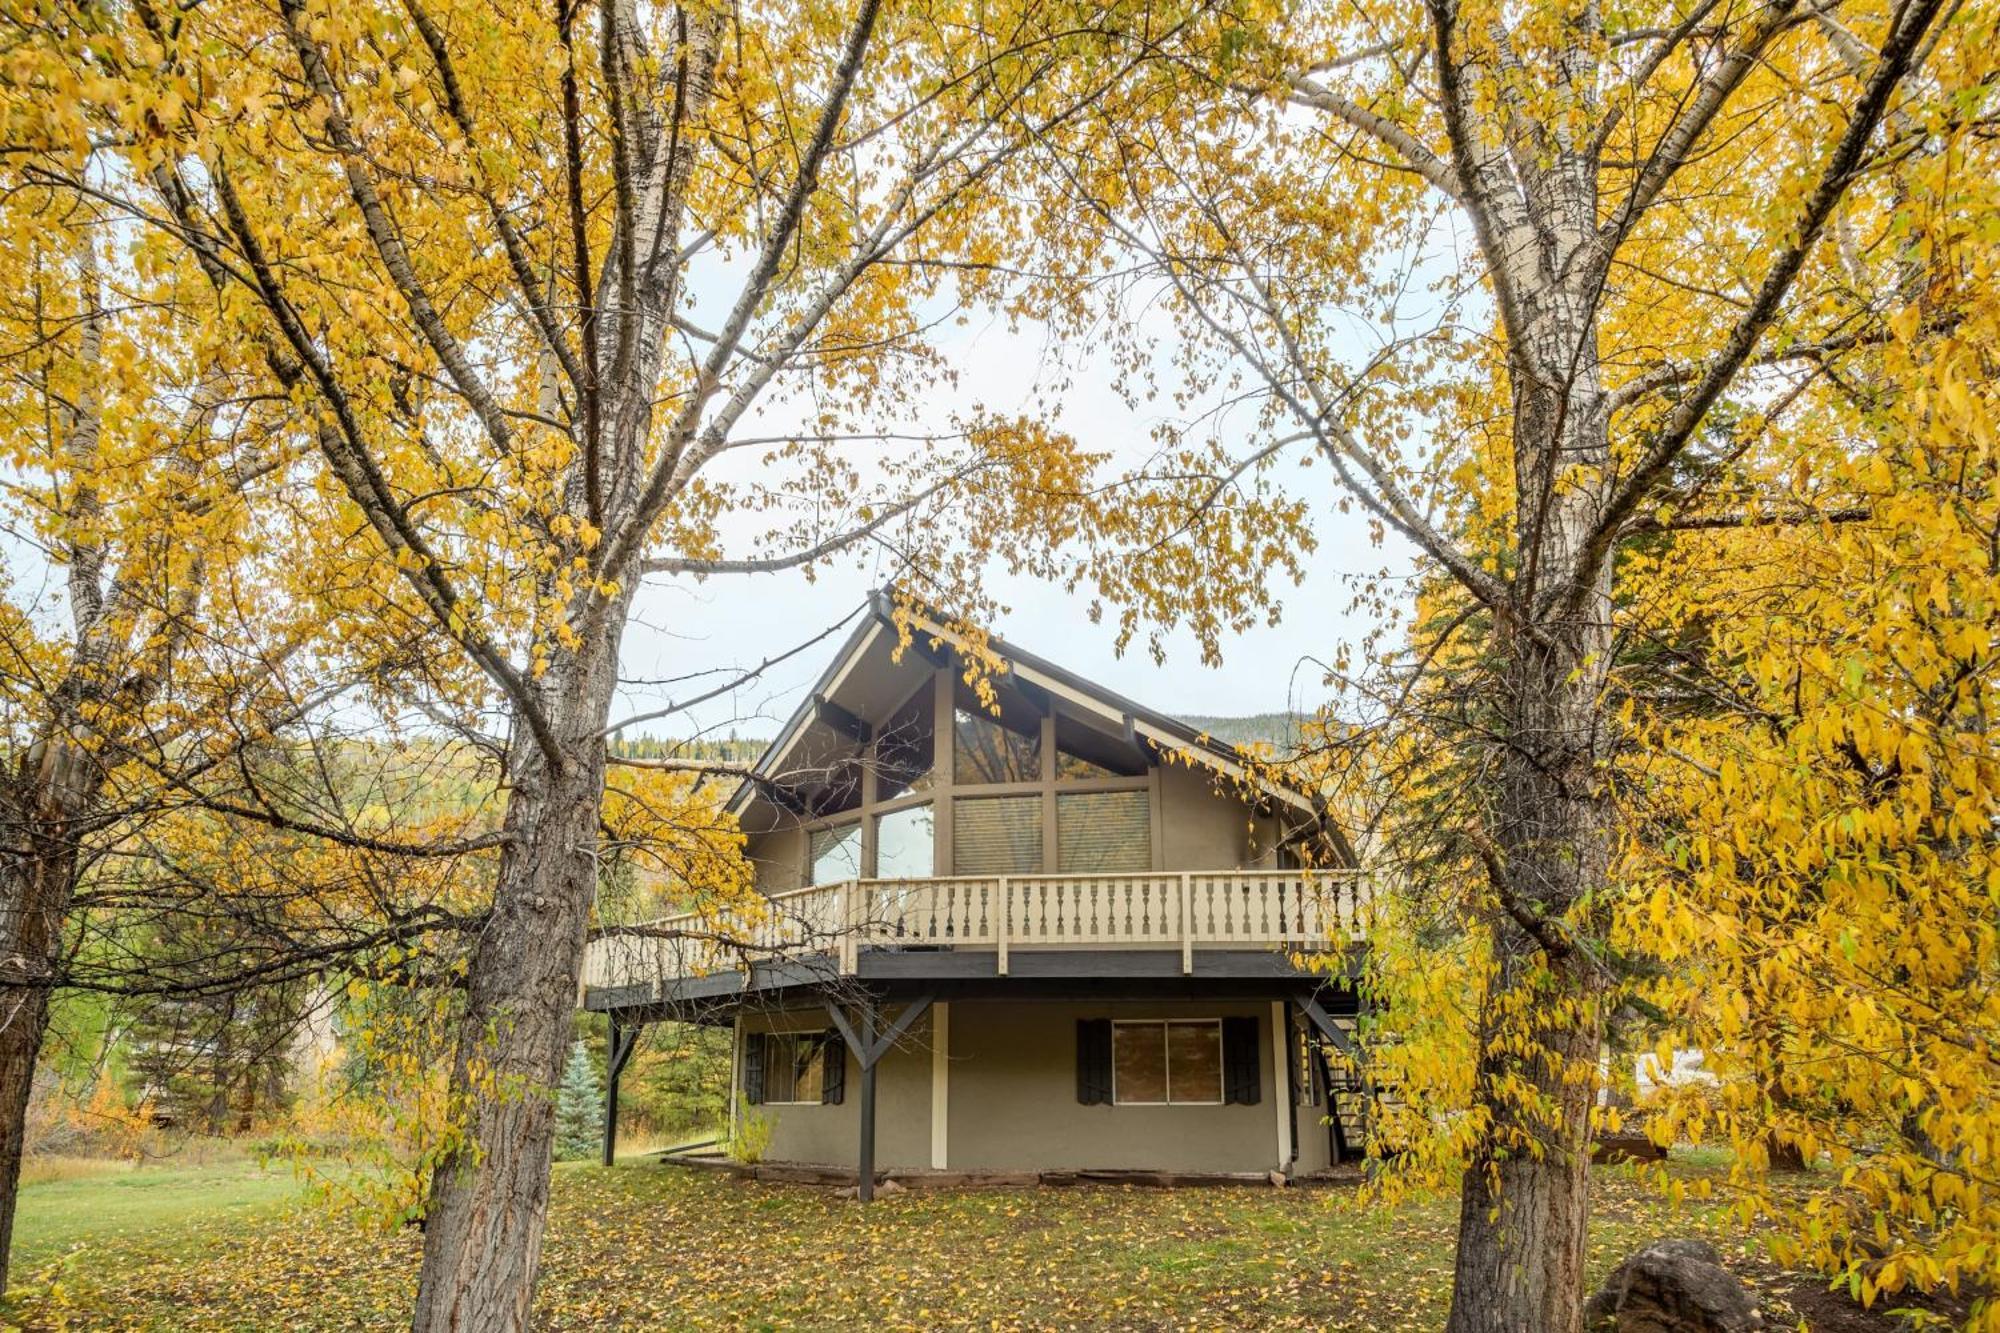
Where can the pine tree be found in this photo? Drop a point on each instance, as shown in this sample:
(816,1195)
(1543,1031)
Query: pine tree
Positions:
(579,1108)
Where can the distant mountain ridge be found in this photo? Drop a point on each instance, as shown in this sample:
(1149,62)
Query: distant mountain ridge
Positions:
(1280,730)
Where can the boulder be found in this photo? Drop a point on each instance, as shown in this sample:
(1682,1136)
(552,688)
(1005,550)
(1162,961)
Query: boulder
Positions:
(1673,1286)
(1607,1149)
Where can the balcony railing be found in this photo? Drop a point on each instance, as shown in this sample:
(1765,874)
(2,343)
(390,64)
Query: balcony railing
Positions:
(998,914)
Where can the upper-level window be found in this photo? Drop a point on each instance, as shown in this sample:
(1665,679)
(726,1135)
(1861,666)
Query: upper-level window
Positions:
(838,787)
(835,853)
(904,843)
(996,835)
(1082,751)
(995,749)
(906,748)
(1103,832)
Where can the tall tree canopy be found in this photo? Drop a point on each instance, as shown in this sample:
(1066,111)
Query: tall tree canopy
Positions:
(1532,283)
(557,299)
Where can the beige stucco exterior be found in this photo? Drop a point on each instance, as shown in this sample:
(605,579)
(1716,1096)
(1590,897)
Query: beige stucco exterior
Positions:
(832,1134)
(1003,1098)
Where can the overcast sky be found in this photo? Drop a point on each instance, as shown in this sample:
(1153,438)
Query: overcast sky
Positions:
(695,634)
(682,626)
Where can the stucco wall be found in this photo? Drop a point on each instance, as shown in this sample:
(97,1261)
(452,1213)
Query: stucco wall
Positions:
(776,857)
(1014,1107)
(832,1134)
(1011,1089)
(1201,829)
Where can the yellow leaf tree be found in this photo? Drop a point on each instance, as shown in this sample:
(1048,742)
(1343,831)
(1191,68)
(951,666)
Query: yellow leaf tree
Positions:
(1506,274)
(524,278)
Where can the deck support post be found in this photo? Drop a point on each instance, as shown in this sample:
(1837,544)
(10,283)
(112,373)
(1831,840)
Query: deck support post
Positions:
(617,1050)
(864,1179)
(868,1049)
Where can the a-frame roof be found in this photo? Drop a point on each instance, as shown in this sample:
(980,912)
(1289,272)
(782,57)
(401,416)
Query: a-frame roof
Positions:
(877,634)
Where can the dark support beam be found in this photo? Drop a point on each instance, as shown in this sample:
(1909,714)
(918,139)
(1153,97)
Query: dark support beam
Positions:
(937,654)
(868,1050)
(1332,1031)
(616,1052)
(864,1174)
(1292,1035)
(839,720)
(781,796)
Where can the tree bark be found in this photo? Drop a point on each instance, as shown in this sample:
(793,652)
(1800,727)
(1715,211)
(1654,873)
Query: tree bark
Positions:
(1524,1203)
(1524,1200)
(41,807)
(488,1200)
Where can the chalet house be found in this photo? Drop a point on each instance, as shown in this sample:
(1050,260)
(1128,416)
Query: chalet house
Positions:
(1059,937)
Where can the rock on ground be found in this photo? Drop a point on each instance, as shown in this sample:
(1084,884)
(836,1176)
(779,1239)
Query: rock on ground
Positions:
(1673,1286)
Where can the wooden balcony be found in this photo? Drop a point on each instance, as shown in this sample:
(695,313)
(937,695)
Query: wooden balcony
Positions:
(1000,915)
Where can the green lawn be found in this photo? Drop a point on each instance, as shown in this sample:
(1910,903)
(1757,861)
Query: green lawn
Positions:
(122,1206)
(649,1246)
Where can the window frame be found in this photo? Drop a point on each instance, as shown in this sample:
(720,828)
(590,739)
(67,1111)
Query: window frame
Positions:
(1144,847)
(855,819)
(945,792)
(1166,1060)
(902,803)
(820,1038)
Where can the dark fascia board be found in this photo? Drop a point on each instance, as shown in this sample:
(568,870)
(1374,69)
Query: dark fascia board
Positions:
(1093,974)
(1132,718)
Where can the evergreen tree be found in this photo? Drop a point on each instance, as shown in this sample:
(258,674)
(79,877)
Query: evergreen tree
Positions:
(579,1108)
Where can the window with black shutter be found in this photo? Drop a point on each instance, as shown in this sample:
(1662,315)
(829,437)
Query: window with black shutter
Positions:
(1166,1062)
(791,1068)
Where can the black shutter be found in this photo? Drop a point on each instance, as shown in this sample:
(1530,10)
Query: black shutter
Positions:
(1093,1061)
(753,1066)
(833,1083)
(1242,1072)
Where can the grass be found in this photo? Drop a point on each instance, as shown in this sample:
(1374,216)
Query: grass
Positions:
(96,1207)
(643,1245)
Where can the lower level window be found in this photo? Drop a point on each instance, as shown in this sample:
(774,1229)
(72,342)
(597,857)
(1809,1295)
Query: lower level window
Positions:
(1167,1063)
(794,1066)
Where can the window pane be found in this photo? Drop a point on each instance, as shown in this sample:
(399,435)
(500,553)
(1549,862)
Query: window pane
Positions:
(903,844)
(1194,1062)
(989,751)
(809,1064)
(1102,832)
(795,1066)
(836,853)
(779,1075)
(1000,835)
(907,748)
(1138,1062)
(1083,751)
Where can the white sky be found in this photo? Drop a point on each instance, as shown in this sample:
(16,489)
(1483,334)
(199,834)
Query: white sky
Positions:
(681,626)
